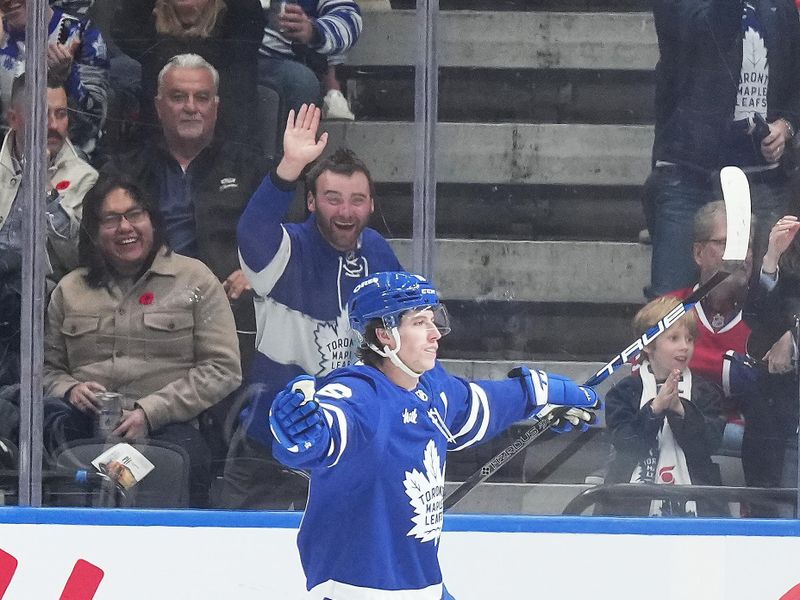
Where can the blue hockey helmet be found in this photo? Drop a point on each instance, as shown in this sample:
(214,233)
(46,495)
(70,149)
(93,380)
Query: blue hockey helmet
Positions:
(389,294)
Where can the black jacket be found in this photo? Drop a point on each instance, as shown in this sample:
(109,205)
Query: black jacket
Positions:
(634,430)
(697,74)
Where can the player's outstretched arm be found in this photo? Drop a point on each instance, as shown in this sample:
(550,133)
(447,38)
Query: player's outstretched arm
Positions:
(297,422)
(300,144)
(546,391)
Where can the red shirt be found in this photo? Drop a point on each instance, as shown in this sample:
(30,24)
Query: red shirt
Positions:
(710,346)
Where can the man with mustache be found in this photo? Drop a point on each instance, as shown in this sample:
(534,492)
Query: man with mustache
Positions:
(202,183)
(69,179)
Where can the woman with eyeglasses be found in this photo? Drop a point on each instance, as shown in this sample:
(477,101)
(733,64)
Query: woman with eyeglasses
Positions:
(137,319)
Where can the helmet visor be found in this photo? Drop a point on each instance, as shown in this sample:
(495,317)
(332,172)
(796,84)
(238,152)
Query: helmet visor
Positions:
(439,320)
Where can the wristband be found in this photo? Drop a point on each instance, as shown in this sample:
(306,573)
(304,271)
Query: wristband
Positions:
(789,126)
(771,274)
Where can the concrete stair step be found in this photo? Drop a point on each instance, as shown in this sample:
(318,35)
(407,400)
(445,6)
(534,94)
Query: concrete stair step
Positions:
(518,212)
(556,272)
(578,370)
(535,96)
(514,331)
(534,5)
(508,40)
(501,153)
(515,498)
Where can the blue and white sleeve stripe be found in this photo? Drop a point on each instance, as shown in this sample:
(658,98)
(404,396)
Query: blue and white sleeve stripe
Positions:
(265,279)
(477,423)
(337,422)
(339,26)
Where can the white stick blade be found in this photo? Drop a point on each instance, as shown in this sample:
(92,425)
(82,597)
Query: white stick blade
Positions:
(736,193)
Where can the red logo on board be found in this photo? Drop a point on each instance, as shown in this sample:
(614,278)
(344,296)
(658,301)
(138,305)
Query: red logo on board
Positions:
(81,585)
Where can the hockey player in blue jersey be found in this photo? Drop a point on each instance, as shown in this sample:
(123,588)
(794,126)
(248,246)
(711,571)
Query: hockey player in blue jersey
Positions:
(374,437)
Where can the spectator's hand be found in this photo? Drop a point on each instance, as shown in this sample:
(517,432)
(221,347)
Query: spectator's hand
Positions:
(780,238)
(667,397)
(779,357)
(81,397)
(300,144)
(59,61)
(296,25)
(773,146)
(236,284)
(133,425)
(677,405)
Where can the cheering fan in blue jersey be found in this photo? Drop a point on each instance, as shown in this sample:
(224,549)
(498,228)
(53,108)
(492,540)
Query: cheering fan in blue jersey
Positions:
(374,437)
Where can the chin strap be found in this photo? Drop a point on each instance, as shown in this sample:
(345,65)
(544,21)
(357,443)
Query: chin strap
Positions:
(392,355)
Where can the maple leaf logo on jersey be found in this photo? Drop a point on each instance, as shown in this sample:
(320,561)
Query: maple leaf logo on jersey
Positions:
(754,75)
(335,349)
(754,52)
(426,494)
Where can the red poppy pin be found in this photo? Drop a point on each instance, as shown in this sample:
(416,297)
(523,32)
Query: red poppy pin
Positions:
(146,298)
(62,185)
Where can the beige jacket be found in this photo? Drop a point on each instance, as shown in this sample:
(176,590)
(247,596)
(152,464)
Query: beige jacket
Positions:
(170,344)
(72,177)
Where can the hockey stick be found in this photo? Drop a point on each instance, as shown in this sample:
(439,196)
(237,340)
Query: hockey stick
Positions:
(736,192)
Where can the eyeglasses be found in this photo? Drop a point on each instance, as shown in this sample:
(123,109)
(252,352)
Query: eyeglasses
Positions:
(113,220)
(717,241)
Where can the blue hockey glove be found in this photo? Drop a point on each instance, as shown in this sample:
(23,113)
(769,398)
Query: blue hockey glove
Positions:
(295,418)
(534,382)
(555,390)
(565,392)
(546,388)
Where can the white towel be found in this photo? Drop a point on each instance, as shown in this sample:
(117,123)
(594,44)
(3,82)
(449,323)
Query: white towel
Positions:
(666,462)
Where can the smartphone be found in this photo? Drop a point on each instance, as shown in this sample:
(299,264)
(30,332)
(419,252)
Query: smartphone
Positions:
(761,129)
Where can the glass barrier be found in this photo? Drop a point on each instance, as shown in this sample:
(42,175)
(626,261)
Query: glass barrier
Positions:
(162,350)
(197,261)
(544,257)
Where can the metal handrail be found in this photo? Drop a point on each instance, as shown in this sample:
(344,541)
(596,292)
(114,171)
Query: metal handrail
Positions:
(652,491)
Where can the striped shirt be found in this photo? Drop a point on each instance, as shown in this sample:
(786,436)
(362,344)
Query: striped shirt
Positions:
(337,24)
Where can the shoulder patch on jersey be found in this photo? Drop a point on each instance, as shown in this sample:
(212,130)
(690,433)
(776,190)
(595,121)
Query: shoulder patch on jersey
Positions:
(410,416)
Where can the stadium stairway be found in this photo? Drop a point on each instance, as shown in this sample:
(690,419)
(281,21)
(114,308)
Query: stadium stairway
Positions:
(543,144)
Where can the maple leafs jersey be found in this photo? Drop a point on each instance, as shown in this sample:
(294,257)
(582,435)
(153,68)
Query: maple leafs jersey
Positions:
(302,285)
(374,515)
